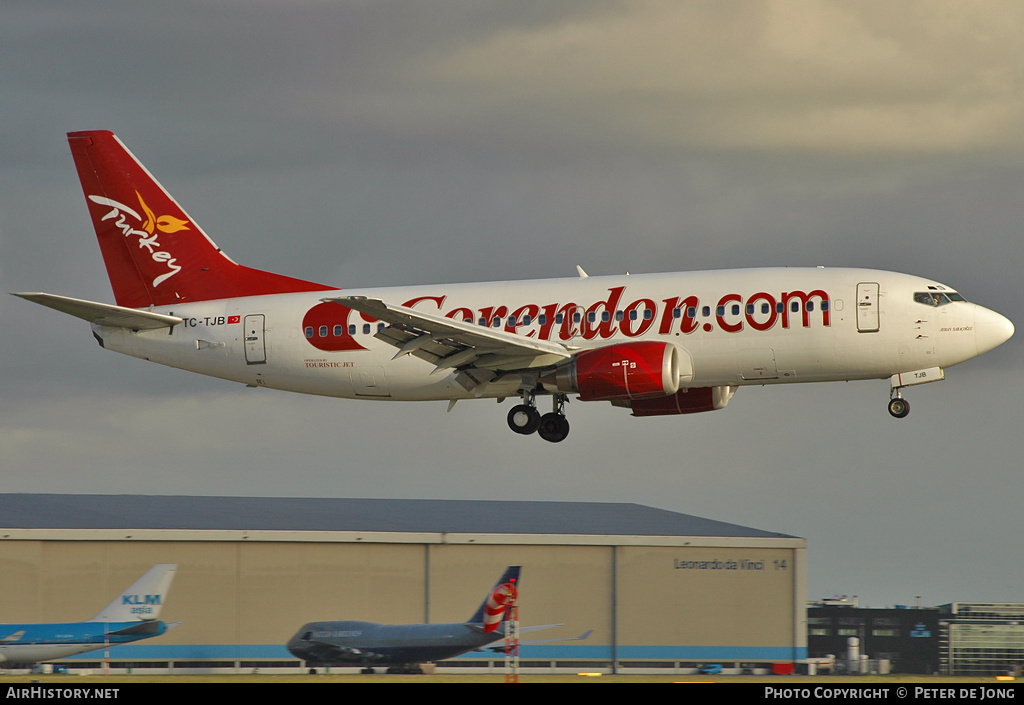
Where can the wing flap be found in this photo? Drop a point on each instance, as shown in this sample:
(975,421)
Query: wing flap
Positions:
(449,343)
(103,314)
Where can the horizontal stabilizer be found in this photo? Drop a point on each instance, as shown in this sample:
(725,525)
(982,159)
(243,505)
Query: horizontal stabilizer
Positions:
(103,314)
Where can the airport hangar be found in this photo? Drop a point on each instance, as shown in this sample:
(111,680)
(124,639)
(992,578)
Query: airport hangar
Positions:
(659,589)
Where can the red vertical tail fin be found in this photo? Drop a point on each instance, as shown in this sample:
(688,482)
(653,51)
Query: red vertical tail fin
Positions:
(154,252)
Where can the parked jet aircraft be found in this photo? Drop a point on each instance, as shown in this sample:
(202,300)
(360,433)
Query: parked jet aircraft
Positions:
(130,617)
(403,646)
(656,344)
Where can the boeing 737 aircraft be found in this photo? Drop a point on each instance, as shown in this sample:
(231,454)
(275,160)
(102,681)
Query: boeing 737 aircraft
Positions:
(656,344)
(402,647)
(130,617)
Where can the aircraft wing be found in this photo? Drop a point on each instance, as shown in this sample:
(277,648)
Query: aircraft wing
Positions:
(454,344)
(150,626)
(103,314)
(581,637)
(325,652)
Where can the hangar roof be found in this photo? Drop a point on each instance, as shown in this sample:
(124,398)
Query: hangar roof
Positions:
(83,512)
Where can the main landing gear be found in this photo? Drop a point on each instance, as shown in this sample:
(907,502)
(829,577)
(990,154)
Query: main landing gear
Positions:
(898,406)
(525,419)
(406,669)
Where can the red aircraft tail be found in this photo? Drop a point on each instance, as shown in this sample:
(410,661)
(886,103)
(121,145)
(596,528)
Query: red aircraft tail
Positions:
(154,252)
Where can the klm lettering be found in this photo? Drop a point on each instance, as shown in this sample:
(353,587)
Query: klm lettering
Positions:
(140,599)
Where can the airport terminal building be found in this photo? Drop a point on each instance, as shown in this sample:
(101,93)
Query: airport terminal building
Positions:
(655,589)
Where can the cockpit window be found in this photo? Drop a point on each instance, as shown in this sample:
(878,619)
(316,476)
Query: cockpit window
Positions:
(937,298)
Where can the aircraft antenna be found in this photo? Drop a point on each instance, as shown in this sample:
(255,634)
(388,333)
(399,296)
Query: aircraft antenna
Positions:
(512,643)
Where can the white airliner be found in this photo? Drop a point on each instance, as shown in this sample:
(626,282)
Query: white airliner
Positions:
(657,344)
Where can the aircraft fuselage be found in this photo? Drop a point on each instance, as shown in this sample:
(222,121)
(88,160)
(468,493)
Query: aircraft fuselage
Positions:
(735,328)
(367,643)
(34,643)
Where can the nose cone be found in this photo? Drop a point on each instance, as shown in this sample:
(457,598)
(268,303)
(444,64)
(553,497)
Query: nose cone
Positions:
(297,640)
(296,647)
(990,329)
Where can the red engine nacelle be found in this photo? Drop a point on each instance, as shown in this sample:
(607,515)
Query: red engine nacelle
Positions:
(685,401)
(637,370)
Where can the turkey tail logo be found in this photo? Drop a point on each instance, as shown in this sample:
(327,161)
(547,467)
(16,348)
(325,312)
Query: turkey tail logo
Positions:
(148,235)
(148,239)
(165,223)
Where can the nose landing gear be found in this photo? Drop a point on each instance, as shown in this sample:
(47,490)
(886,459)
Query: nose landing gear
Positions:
(898,406)
(552,427)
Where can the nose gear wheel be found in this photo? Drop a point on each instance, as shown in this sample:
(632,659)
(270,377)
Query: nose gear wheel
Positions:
(898,406)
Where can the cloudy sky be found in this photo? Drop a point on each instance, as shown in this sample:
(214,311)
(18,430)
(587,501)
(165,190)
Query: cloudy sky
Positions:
(377,143)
